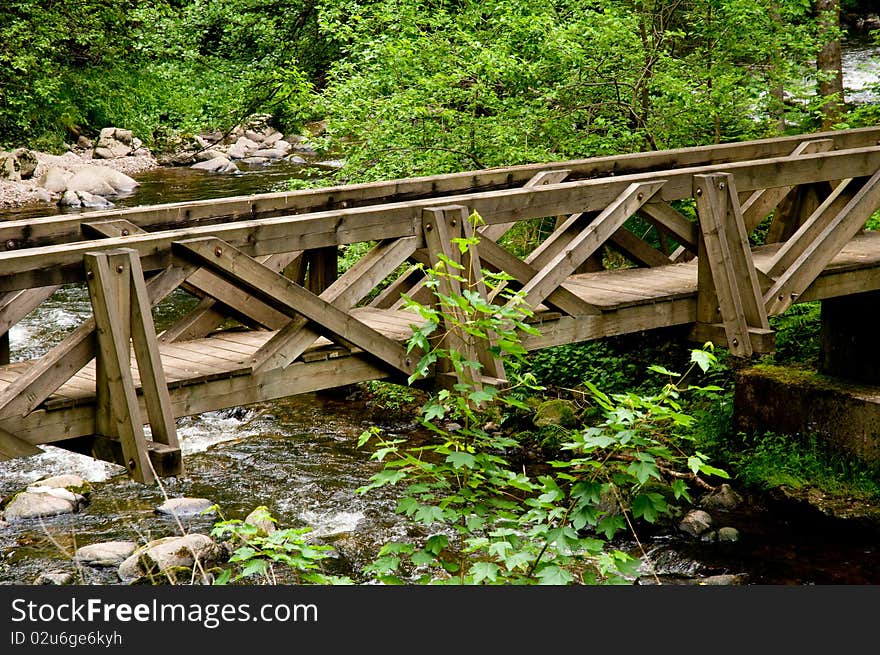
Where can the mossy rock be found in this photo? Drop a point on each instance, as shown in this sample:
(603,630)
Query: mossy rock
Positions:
(558,412)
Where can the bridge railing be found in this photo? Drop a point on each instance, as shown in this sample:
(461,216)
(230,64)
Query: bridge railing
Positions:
(280,274)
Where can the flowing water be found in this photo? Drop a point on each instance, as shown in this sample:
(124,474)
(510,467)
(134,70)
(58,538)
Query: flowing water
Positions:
(299,456)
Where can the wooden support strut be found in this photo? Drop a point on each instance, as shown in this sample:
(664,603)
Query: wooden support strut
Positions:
(110,280)
(443,225)
(293,299)
(726,272)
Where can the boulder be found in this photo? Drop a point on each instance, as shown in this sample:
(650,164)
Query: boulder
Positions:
(722,498)
(36,504)
(72,483)
(59,578)
(695,523)
(27,162)
(54,180)
(113,143)
(261,519)
(217,165)
(268,153)
(161,556)
(9,167)
(85,199)
(107,553)
(101,180)
(556,411)
(184,507)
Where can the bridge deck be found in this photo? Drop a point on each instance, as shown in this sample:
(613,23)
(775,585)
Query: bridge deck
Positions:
(226,354)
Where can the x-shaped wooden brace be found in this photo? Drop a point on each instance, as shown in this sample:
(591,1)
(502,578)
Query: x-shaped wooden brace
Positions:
(312,316)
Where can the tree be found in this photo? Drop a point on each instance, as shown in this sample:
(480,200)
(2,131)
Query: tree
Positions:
(828,62)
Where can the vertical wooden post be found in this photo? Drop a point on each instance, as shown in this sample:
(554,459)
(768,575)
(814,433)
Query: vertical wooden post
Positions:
(124,322)
(441,225)
(725,263)
(322,265)
(117,414)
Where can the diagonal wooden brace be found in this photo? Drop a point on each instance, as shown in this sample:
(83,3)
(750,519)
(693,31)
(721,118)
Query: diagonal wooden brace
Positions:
(293,299)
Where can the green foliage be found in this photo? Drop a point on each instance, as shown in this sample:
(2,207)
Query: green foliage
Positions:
(490,522)
(432,87)
(771,460)
(259,551)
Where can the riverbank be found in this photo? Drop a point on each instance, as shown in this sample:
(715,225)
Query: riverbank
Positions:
(30,192)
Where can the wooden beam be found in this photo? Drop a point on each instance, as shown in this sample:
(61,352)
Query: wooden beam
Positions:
(276,290)
(66,228)
(561,298)
(814,258)
(638,250)
(813,226)
(48,265)
(292,341)
(609,221)
(673,222)
(728,255)
(761,202)
(12,446)
(149,362)
(107,276)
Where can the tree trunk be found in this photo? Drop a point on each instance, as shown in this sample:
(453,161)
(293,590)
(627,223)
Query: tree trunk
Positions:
(828,62)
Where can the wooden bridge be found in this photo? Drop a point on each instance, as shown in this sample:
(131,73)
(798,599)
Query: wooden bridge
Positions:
(626,244)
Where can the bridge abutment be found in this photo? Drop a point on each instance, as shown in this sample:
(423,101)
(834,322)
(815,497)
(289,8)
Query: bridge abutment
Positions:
(839,402)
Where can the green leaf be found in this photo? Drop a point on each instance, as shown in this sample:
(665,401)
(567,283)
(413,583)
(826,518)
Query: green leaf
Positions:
(648,506)
(485,571)
(554,575)
(429,514)
(461,460)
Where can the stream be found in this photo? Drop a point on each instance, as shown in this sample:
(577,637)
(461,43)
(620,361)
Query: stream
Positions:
(299,456)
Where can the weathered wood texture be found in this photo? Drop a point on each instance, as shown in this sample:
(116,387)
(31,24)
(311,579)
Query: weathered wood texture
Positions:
(276,316)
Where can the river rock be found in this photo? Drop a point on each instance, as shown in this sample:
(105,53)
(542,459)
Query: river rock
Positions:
(68,481)
(27,162)
(84,199)
(9,167)
(262,520)
(107,553)
(101,180)
(728,535)
(722,498)
(163,555)
(113,143)
(727,579)
(269,153)
(184,507)
(255,161)
(34,504)
(557,411)
(54,179)
(208,155)
(695,523)
(59,578)
(217,165)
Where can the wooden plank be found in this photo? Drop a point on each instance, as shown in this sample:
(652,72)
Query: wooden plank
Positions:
(762,201)
(497,230)
(638,250)
(292,340)
(12,446)
(114,353)
(609,221)
(66,228)
(441,225)
(493,367)
(673,222)
(728,255)
(149,363)
(813,226)
(287,296)
(15,305)
(814,258)
(56,264)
